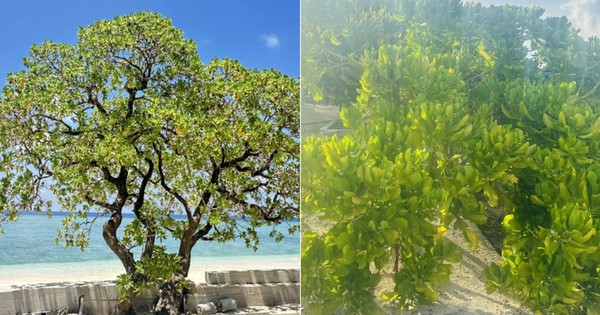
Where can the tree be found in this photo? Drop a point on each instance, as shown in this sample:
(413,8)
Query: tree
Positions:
(129,119)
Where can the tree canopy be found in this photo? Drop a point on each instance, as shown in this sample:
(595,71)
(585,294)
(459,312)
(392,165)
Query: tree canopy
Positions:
(455,114)
(336,35)
(130,119)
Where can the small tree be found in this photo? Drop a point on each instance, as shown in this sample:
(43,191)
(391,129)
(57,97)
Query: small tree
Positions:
(129,119)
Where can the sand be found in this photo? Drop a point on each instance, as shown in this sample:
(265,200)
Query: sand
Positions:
(57,274)
(465,293)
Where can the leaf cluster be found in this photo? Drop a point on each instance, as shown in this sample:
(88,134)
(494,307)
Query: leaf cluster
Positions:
(454,118)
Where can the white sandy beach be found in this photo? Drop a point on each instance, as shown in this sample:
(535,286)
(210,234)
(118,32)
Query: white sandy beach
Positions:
(12,277)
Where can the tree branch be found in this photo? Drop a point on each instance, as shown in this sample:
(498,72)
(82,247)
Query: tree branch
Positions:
(235,162)
(206,195)
(129,63)
(166,186)
(266,165)
(93,99)
(139,202)
(252,206)
(62,122)
(254,188)
(106,172)
(109,206)
(200,234)
(130,101)
(590,92)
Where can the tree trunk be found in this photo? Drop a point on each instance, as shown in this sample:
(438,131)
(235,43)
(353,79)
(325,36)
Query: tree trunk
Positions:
(109,232)
(168,299)
(170,294)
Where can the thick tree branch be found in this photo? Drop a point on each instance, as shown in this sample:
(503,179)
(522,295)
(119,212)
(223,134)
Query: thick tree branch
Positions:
(130,101)
(151,237)
(254,188)
(109,206)
(107,175)
(235,162)
(166,186)
(144,78)
(206,195)
(201,233)
(134,136)
(142,192)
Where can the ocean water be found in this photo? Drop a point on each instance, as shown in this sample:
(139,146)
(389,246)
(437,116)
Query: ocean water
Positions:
(30,241)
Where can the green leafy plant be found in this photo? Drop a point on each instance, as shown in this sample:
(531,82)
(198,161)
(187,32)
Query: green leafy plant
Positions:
(452,117)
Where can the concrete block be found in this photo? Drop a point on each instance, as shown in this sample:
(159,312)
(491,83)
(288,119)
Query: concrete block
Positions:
(248,294)
(99,299)
(253,276)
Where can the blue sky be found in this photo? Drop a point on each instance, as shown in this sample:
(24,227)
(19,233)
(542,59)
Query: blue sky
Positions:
(259,33)
(583,14)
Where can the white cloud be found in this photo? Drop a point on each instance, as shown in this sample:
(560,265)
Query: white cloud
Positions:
(585,15)
(270,40)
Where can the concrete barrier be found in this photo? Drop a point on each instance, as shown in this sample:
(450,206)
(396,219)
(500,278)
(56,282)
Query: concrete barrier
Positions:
(101,297)
(253,276)
(248,294)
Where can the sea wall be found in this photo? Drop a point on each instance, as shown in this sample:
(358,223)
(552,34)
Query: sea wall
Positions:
(248,288)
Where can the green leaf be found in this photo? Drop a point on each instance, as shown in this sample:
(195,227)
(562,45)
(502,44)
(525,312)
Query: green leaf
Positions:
(482,52)
(348,254)
(490,195)
(391,236)
(389,296)
(472,238)
(317,95)
(334,40)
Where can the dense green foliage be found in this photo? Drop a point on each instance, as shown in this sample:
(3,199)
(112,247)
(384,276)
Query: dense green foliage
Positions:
(130,119)
(457,109)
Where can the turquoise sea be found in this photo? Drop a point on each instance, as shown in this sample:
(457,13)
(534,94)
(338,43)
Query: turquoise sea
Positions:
(30,240)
